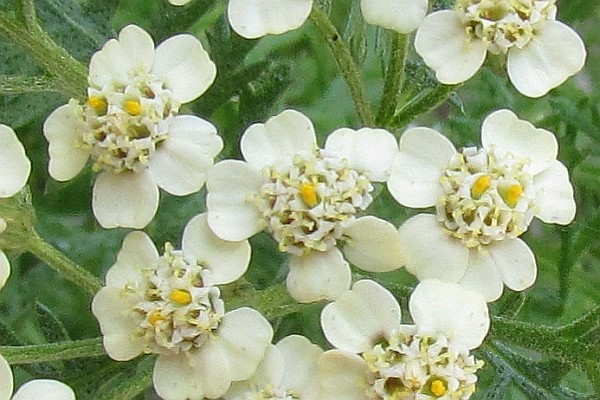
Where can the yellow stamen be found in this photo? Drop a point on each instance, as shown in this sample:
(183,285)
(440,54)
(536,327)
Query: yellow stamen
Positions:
(181,296)
(133,107)
(309,194)
(98,103)
(438,387)
(513,195)
(155,317)
(480,186)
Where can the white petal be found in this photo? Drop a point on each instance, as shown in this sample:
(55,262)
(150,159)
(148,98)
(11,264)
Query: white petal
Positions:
(429,252)
(255,18)
(129,199)
(137,253)
(516,261)
(373,245)
(227,261)
(61,129)
(554,195)
(279,139)
(4,270)
(483,276)
(445,47)
(230,215)
(300,357)
(368,150)
(360,317)
(180,164)
(554,54)
(416,171)
(343,375)
(506,133)
(138,44)
(269,373)
(403,16)
(45,389)
(14,164)
(448,308)
(6,377)
(183,376)
(185,66)
(179,2)
(318,276)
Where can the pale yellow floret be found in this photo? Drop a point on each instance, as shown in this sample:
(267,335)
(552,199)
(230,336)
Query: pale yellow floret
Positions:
(513,195)
(132,107)
(438,387)
(98,104)
(309,194)
(182,297)
(480,186)
(155,317)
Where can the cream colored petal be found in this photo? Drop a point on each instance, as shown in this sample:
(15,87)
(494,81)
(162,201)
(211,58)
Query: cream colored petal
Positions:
(137,253)
(318,276)
(445,47)
(255,18)
(179,2)
(45,389)
(555,53)
(4,270)
(227,261)
(429,252)
(6,377)
(269,373)
(129,199)
(442,307)
(516,261)
(14,164)
(138,45)
(367,150)
(483,276)
(230,215)
(180,377)
(403,16)
(301,358)
(554,195)
(360,317)
(343,375)
(373,245)
(61,129)
(278,140)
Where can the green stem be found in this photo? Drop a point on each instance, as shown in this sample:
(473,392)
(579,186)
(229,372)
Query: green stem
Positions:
(34,354)
(62,264)
(393,78)
(426,102)
(131,386)
(587,323)
(26,84)
(346,63)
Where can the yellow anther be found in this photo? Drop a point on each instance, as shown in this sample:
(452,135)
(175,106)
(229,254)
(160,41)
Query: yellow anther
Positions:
(438,387)
(513,194)
(181,296)
(155,317)
(98,104)
(309,194)
(480,186)
(132,107)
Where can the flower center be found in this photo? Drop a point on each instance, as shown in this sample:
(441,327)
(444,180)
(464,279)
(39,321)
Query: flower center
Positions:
(123,124)
(486,197)
(503,24)
(409,367)
(270,393)
(306,206)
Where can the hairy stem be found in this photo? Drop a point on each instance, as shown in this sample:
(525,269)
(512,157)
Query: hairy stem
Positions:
(33,354)
(393,78)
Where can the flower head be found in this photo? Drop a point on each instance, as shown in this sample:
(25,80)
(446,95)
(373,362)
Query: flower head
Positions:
(485,199)
(308,199)
(130,129)
(541,52)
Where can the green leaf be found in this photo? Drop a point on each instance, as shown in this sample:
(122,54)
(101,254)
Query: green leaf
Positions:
(52,328)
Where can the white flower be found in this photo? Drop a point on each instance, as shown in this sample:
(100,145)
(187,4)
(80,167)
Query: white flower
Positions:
(170,305)
(14,172)
(377,357)
(288,372)
(45,389)
(308,200)
(130,129)
(541,52)
(484,198)
(403,16)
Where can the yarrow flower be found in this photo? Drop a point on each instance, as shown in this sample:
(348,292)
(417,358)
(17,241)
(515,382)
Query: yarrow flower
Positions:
(170,305)
(308,199)
(403,16)
(130,129)
(288,372)
(377,357)
(485,198)
(541,52)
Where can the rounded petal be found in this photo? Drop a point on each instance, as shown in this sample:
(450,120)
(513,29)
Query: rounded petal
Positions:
(61,129)
(445,47)
(137,254)
(179,2)
(403,16)
(504,132)
(185,66)
(4,270)
(361,317)
(483,276)
(367,150)
(255,18)
(230,215)
(180,164)
(46,389)
(300,371)
(227,261)
(343,375)
(318,276)
(6,377)
(516,261)
(555,53)
(373,245)
(279,139)
(269,373)
(429,252)
(416,171)
(554,195)
(448,308)
(129,199)
(14,164)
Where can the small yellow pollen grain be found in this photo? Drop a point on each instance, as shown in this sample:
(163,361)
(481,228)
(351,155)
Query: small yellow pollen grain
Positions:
(182,297)
(97,103)
(513,195)
(309,194)
(438,387)
(480,186)
(133,107)
(154,317)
